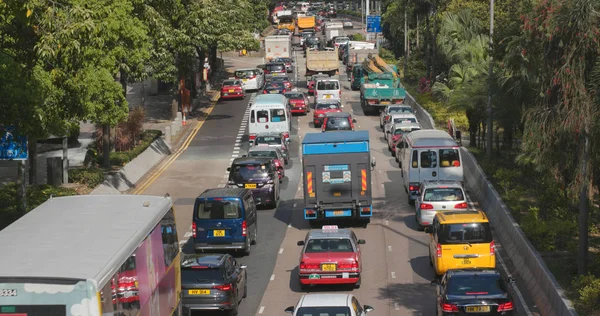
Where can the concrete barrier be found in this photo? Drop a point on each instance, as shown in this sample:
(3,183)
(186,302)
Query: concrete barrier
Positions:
(541,284)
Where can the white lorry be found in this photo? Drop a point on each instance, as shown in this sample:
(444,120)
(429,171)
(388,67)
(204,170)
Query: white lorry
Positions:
(278,46)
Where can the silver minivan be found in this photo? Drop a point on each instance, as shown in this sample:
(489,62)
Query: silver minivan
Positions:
(328,89)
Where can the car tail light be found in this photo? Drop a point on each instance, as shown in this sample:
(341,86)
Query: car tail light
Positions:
(285,135)
(193,229)
(452,308)
(461,205)
(252,137)
(387,118)
(348,266)
(505,307)
(277,163)
(426,206)
(244,228)
(413,187)
(310,212)
(265,91)
(438,250)
(226,287)
(492,248)
(309,266)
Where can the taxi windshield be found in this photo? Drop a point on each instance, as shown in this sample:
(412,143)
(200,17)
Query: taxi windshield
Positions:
(328,245)
(324,311)
(266,154)
(467,233)
(269,140)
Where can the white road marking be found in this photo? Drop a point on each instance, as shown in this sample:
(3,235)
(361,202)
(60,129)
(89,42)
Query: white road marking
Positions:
(280,250)
(295,205)
(188,235)
(387,222)
(261,310)
(389,248)
(393,275)
(181,242)
(396,306)
(234,155)
(289,225)
(272,277)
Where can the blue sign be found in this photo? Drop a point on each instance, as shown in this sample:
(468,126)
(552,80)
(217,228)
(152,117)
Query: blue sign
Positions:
(373,23)
(12,147)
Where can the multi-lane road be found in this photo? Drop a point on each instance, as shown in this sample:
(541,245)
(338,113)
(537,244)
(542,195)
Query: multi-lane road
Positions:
(396,272)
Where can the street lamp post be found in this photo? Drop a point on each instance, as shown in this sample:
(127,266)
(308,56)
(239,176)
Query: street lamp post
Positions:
(405,39)
(490,128)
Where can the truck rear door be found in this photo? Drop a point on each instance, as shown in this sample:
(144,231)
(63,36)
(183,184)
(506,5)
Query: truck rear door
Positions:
(339,181)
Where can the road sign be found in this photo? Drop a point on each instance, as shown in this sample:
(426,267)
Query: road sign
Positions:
(373,23)
(12,147)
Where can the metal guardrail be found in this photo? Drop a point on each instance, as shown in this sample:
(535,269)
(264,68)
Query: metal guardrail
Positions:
(541,284)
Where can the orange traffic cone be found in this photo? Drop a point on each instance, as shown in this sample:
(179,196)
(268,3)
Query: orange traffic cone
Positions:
(183,121)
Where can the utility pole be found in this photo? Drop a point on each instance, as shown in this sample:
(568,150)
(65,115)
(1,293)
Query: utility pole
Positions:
(405,39)
(490,128)
(367,13)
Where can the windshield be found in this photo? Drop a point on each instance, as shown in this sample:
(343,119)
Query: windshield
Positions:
(245,74)
(464,233)
(217,209)
(294,96)
(323,311)
(327,106)
(443,194)
(265,154)
(338,123)
(250,171)
(275,85)
(476,284)
(280,79)
(269,140)
(328,245)
(229,83)
(403,131)
(202,275)
(275,67)
(401,109)
(401,120)
(328,85)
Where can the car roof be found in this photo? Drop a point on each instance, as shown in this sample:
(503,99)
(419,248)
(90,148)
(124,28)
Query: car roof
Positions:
(337,114)
(269,99)
(458,217)
(222,192)
(445,183)
(338,233)
(211,260)
(321,299)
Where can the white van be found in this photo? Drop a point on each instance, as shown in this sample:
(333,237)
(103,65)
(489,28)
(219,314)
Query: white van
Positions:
(429,155)
(328,89)
(252,78)
(270,113)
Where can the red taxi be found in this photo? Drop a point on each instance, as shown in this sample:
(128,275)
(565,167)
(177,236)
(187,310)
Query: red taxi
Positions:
(311,83)
(397,132)
(322,108)
(330,256)
(298,102)
(232,89)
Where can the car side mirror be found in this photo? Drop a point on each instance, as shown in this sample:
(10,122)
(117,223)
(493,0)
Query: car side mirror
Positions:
(353,120)
(289,310)
(243,267)
(300,243)
(228,168)
(435,282)
(362,241)
(428,230)
(368,308)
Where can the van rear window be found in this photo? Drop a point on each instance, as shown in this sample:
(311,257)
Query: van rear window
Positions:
(277,115)
(262,116)
(328,85)
(449,158)
(218,209)
(474,233)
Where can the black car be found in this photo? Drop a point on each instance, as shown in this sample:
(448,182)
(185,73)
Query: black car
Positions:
(212,282)
(275,68)
(259,175)
(276,87)
(474,292)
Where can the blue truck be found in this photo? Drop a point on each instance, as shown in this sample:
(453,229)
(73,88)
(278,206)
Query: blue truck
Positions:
(336,170)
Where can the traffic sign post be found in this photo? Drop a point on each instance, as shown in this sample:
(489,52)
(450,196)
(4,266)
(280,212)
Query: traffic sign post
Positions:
(374,24)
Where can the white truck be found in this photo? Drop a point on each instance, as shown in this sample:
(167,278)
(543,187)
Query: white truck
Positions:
(330,33)
(278,46)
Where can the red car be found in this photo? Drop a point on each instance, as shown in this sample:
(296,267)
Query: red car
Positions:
(311,83)
(330,256)
(232,89)
(397,132)
(298,102)
(322,107)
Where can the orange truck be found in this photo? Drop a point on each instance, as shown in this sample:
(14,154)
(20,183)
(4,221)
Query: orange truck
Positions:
(306,22)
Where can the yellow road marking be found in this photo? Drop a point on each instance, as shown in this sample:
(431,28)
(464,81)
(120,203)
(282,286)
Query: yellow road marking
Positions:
(158,172)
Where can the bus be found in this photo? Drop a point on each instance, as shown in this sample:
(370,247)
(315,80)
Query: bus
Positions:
(92,255)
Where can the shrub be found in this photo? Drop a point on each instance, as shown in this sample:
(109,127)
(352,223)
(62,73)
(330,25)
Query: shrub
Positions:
(549,235)
(35,196)
(123,157)
(357,37)
(91,177)
(588,288)
(127,134)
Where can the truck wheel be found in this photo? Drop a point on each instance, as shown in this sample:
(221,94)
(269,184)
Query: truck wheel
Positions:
(365,222)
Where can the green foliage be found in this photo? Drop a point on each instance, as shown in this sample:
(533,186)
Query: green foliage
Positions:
(119,159)
(551,234)
(36,195)
(388,56)
(588,288)
(357,37)
(349,12)
(437,109)
(91,177)
(102,97)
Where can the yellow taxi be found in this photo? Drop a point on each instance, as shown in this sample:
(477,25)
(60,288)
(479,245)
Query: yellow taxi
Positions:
(459,240)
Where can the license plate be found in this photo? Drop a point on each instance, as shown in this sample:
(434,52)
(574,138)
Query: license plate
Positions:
(466,261)
(219,233)
(244,80)
(338,213)
(274,91)
(198,292)
(231,90)
(386,102)
(477,309)
(328,267)
(328,96)
(250,186)
(337,194)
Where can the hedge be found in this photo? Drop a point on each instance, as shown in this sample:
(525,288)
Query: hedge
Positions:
(91,177)
(119,159)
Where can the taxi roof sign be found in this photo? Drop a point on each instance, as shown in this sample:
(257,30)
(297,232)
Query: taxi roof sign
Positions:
(329,228)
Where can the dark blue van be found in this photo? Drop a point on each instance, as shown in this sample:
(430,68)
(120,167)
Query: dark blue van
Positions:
(225,219)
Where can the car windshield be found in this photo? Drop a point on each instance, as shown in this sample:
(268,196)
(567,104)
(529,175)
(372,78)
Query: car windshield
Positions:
(266,154)
(466,233)
(276,85)
(280,79)
(328,85)
(327,106)
(229,83)
(323,311)
(338,123)
(294,96)
(443,194)
(328,245)
(250,171)
(405,130)
(269,140)
(400,120)
(476,284)
(244,74)
(201,274)
(400,109)
(275,67)
(217,209)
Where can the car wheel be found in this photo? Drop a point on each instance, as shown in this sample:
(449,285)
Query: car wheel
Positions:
(430,262)
(234,310)
(248,247)
(357,284)
(255,240)
(286,161)
(245,289)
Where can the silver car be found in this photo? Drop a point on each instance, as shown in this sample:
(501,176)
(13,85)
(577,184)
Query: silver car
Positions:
(273,139)
(438,195)
(397,119)
(393,109)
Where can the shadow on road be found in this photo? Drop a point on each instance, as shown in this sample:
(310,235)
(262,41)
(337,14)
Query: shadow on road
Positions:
(420,298)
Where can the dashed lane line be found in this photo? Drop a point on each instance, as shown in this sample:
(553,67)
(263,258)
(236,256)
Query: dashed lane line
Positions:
(261,310)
